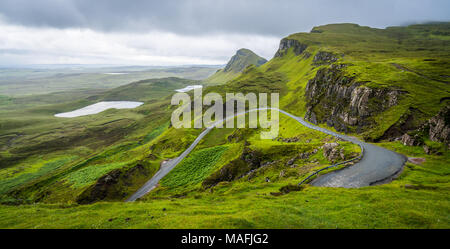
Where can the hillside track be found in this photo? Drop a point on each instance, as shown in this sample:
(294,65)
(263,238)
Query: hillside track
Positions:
(378,165)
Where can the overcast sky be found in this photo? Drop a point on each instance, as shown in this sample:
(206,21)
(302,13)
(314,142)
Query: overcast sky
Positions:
(139,32)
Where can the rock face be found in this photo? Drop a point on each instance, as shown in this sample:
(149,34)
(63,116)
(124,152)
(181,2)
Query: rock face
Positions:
(411,140)
(410,121)
(436,128)
(323,57)
(287,140)
(304,155)
(286,44)
(439,130)
(341,101)
(332,152)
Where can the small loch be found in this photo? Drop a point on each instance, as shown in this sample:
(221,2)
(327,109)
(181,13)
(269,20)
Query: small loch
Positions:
(188,88)
(99,107)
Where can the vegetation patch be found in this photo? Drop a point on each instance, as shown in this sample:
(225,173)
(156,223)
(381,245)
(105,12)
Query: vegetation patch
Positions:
(10,183)
(89,175)
(194,168)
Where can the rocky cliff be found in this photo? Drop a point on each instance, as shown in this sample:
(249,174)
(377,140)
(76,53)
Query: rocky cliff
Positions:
(286,44)
(341,101)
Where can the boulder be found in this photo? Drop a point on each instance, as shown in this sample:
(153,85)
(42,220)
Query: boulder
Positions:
(410,140)
(332,152)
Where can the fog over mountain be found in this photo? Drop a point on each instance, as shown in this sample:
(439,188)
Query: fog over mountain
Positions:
(179,32)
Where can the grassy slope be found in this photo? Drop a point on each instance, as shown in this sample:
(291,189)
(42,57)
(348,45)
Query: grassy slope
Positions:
(221,146)
(220,77)
(242,205)
(89,147)
(195,168)
(248,203)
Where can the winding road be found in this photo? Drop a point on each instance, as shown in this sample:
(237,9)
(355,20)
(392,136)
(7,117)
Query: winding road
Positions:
(378,165)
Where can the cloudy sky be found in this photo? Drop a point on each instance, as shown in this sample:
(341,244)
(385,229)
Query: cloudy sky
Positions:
(177,32)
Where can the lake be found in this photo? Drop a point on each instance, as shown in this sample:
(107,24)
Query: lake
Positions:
(99,107)
(188,88)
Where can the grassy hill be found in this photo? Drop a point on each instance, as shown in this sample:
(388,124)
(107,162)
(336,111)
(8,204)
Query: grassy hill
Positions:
(392,75)
(376,84)
(242,59)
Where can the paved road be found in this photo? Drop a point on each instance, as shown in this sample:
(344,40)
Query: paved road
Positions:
(166,168)
(378,165)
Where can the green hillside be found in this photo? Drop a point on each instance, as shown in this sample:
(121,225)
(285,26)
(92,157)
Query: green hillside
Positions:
(242,59)
(392,75)
(385,86)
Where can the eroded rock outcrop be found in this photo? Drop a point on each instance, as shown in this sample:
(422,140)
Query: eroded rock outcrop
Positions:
(410,121)
(342,102)
(436,128)
(332,152)
(411,140)
(323,57)
(114,185)
(248,161)
(286,44)
(439,126)
(303,155)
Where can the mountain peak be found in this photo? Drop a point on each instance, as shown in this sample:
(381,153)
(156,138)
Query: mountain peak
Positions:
(242,59)
(238,62)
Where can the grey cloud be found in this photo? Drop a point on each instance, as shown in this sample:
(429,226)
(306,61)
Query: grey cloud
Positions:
(14,51)
(195,17)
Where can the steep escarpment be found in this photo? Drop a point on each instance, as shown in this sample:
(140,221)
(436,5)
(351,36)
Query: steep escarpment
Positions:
(379,84)
(344,102)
